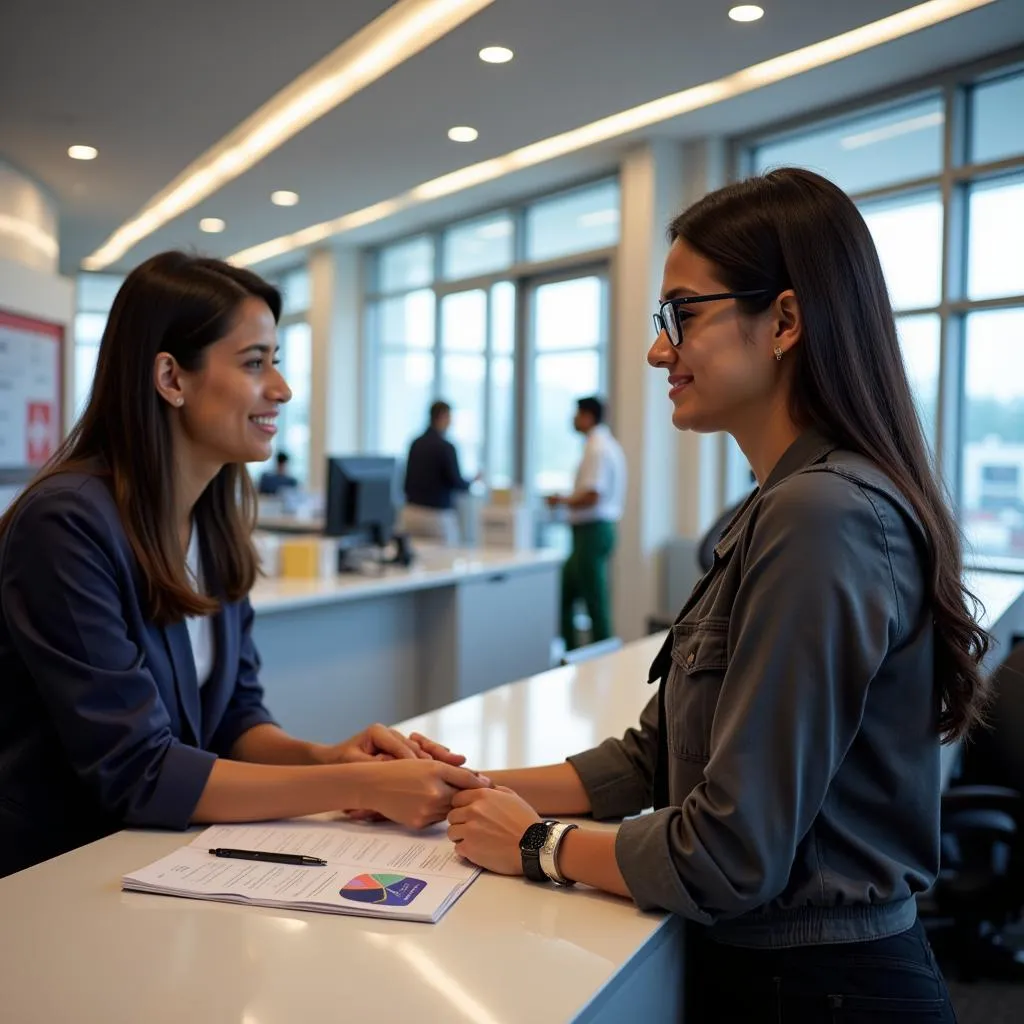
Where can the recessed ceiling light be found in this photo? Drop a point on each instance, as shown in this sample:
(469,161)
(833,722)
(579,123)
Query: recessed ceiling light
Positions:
(83,152)
(496,54)
(282,197)
(738,83)
(746,12)
(212,225)
(463,133)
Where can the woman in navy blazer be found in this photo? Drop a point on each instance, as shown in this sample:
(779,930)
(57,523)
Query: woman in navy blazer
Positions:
(104,721)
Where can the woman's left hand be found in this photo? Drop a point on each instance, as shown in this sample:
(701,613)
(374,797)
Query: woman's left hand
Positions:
(379,743)
(486,826)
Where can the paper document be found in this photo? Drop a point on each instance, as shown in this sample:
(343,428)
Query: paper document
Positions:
(372,870)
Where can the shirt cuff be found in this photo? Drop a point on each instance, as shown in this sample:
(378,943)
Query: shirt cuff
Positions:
(612,783)
(643,852)
(181,782)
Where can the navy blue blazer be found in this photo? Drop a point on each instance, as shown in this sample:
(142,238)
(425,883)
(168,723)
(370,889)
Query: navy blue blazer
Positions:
(102,720)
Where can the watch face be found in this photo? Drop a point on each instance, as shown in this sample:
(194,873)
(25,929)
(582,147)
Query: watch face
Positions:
(534,838)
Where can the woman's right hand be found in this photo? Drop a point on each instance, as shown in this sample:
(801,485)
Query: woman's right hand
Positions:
(415,793)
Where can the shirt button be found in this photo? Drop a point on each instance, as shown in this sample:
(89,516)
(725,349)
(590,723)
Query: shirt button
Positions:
(691,658)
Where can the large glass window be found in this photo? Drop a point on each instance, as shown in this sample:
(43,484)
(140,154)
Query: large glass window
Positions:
(992,470)
(569,320)
(295,291)
(293,425)
(995,253)
(442,322)
(578,221)
(94,295)
(908,235)
(501,403)
(479,247)
(405,382)
(996,125)
(869,151)
(402,365)
(920,343)
(464,371)
(295,338)
(955,273)
(406,265)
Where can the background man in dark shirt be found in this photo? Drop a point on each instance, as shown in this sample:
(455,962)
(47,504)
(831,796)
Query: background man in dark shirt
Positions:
(432,477)
(271,483)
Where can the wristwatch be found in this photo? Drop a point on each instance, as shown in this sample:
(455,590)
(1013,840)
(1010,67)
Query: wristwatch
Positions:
(530,846)
(549,852)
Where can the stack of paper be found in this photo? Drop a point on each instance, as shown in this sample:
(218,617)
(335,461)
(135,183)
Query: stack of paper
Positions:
(372,870)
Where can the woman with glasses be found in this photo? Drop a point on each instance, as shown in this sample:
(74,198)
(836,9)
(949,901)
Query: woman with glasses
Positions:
(791,751)
(129,681)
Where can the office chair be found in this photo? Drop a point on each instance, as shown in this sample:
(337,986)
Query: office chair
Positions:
(980,888)
(705,559)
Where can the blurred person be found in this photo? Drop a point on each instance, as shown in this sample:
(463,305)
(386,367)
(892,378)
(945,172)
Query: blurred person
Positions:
(595,506)
(432,480)
(280,478)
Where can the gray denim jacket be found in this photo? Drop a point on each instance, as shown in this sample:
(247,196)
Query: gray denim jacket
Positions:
(792,752)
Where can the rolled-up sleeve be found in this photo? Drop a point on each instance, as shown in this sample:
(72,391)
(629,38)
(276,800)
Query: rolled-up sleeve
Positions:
(814,617)
(246,709)
(62,603)
(618,775)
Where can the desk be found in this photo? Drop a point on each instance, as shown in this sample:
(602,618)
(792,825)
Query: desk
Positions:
(342,651)
(1002,596)
(77,948)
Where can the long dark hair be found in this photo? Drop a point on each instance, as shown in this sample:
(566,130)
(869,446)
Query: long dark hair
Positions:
(792,228)
(177,304)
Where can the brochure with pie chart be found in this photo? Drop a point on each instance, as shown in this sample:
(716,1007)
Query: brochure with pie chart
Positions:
(363,870)
(389,890)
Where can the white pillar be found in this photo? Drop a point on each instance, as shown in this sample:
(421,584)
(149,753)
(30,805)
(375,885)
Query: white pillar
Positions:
(699,497)
(334,317)
(675,479)
(650,184)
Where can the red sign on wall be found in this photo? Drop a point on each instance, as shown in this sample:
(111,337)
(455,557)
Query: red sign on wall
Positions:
(31,389)
(41,432)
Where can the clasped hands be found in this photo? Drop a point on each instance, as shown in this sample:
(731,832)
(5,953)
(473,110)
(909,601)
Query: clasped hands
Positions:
(425,782)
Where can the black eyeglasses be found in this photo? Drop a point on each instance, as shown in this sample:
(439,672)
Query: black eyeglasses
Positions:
(672,323)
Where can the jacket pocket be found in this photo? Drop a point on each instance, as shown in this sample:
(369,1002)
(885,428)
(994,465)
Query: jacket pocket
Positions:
(700,657)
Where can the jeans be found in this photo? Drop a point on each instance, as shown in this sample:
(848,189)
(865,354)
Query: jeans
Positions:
(885,981)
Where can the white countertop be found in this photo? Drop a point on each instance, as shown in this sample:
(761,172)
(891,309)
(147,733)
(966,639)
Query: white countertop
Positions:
(77,948)
(433,567)
(997,591)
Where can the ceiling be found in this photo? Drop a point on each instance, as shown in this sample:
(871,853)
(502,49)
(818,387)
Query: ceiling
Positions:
(152,87)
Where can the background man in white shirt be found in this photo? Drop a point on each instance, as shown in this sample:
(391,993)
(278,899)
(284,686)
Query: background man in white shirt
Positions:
(595,506)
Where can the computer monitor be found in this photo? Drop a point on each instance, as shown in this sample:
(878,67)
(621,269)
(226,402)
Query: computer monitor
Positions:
(360,497)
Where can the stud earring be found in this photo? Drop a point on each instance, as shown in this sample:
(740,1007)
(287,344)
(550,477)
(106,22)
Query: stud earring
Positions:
(778,354)
(181,401)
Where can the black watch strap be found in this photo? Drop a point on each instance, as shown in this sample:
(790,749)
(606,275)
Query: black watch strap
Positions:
(530,846)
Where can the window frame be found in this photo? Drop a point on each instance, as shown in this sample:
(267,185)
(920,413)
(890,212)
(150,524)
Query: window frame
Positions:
(521,274)
(958,172)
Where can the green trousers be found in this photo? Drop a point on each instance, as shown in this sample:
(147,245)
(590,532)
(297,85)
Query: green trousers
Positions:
(585,577)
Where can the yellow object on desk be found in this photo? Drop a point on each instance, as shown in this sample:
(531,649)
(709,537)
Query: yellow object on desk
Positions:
(301,558)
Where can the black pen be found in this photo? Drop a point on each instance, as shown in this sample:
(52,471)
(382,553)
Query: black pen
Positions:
(272,858)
